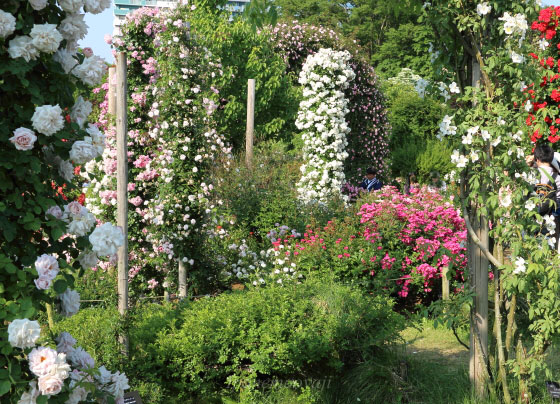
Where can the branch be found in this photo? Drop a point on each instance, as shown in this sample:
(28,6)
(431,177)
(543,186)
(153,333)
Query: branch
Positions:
(470,229)
(459,339)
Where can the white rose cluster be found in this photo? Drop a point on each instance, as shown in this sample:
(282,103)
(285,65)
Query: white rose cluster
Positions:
(23,333)
(321,118)
(47,119)
(91,71)
(515,24)
(7,24)
(80,220)
(446,127)
(106,239)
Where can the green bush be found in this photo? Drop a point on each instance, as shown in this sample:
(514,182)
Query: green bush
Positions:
(435,157)
(241,339)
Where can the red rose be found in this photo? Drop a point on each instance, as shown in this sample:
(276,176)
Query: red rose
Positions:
(550,62)
(555,95)
(545,14)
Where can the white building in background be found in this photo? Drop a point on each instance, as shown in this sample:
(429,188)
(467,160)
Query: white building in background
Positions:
(123,7)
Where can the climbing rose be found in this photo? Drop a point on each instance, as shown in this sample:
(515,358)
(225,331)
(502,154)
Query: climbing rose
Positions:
(23,333)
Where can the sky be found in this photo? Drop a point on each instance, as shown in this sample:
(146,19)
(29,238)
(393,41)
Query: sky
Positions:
(99,25)
(102,24)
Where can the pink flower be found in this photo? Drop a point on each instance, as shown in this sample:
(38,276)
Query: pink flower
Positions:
(50,385)
(23,139)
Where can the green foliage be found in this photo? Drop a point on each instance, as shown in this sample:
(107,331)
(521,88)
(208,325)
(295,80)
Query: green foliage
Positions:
(434,158)
(246,54)
(236,340)
(259,13)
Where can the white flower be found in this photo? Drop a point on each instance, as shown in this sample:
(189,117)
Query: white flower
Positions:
(91,71)
(81,359)
(549,222)
(467,139)
(38,4)
(519,266)
(97,138)
(517,58)
(30,396)
(50,385)
(88,259)
(73,27)
(23,139)
(71,6)
(96,6)
(44,361)
(505,199)
(45,37)
(474,156)
(65,343)
(7,24)
(47,119)
(80,111)
(530,205)
(485,135)
(66,59)
(70,300)
(454,88)
(104,376)
(528,106)
(47,266)
(119,383)
(106,239)
(22,47)
(543,44)
(497,141)
(23,333)
(483,8)
(55,211)
(66,170)
(83,151)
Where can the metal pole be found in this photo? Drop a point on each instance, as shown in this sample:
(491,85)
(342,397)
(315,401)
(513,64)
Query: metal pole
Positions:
(122,182)
(249,133)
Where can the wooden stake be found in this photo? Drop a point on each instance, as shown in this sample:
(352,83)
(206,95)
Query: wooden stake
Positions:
(122,184)
(249,133)
(444,283)
(111,96)
(182,279)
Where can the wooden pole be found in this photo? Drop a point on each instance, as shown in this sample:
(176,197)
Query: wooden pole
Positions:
(122,185)
(444,283)
(182,279)
(249,133)
(111,96)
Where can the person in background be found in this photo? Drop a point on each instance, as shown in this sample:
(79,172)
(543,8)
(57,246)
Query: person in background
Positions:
(411,183)
(371,183)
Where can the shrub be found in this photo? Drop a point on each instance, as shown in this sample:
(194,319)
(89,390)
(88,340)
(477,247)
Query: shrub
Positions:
(238,339)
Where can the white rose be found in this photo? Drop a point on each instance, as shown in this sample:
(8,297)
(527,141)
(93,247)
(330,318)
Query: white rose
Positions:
(45,37)
(88,259)
(91,71)
(38,4)
(47,119)
(66,170)
(66,59)
(44,360)
(104,376)
(71,6)
(483,8)
(23,139)
(78,395)
(65,343)
(55,211)
(96,6)
(80,111)
(30,396)
(22,47)
(83,151)
(81,225)
(23,333)
(119,383)
(43,283)
(7,24)
(81,359)
(50,385)
(97,138)
(73,27)
(70,300)
(47,265)
(106,239)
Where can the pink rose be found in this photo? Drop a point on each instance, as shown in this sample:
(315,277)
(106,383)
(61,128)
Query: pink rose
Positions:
(23,139)
(108,39)
(50,385)
(88,52)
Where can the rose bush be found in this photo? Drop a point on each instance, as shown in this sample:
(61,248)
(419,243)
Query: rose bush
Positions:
(42,234)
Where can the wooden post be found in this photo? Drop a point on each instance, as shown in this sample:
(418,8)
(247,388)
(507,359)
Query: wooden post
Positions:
(182,279)
(444,283)
(122,185)
(249,133)
(478,268)
(111,96)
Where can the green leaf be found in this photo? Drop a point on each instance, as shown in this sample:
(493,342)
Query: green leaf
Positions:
(4,386)
(60,286)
